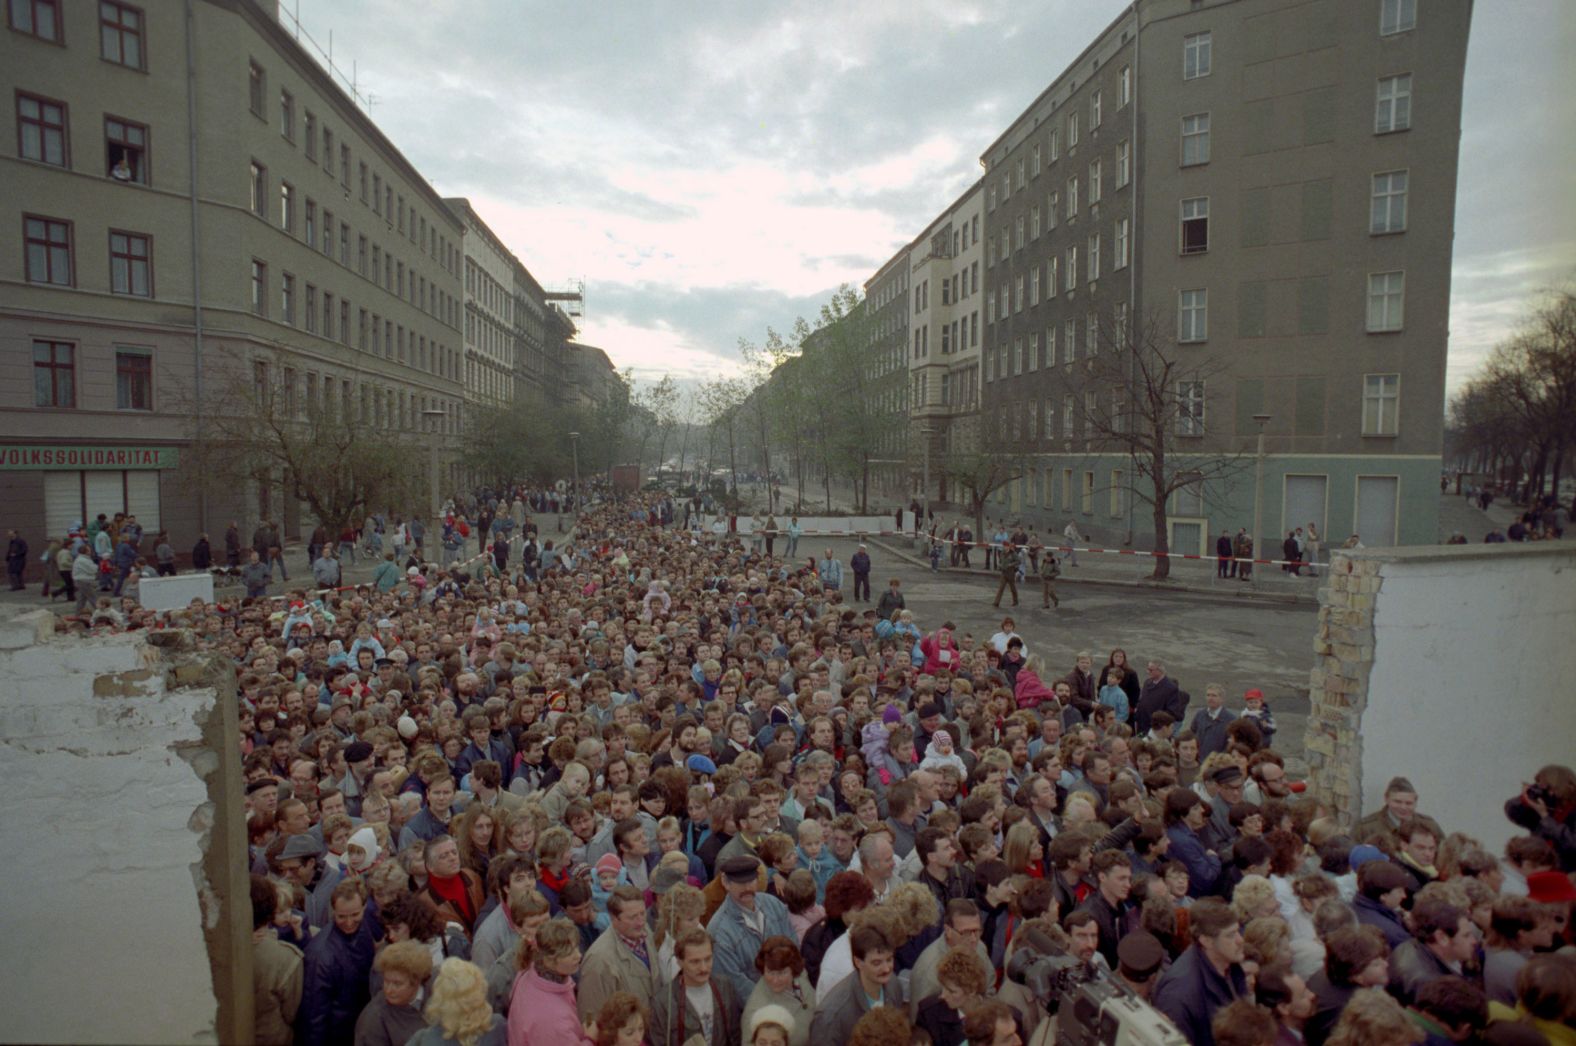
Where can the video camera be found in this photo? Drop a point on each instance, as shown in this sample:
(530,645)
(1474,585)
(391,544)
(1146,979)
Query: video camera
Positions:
(1089,1006)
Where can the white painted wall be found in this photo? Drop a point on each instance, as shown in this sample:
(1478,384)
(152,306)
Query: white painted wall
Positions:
(1474,650)
(102,926)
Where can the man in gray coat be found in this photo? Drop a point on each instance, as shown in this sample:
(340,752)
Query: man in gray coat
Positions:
(871,984)
(621,959)
(695,1002)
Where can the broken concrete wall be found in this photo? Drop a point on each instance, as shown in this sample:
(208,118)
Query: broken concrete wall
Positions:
(123,842)
(1446,665)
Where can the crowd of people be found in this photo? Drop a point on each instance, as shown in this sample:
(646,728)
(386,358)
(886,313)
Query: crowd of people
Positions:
(673,789)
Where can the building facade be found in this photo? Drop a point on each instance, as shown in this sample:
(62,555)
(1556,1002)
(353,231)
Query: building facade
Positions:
(185,231)
(1254,188)
(492,344)
(889,315)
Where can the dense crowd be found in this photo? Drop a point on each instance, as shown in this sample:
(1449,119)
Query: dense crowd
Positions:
(669,788)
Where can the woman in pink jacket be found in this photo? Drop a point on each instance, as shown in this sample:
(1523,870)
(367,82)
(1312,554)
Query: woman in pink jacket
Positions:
(1028,689)
(542,1009)
(940,652)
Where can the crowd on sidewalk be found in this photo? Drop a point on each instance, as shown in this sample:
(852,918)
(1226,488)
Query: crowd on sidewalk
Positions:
(669,788)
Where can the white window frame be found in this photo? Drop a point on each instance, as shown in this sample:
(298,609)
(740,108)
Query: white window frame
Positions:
(1192,209)
(1397,16)
(1124,81)
(1070,341)
(1197,55)
(1072,197)
(1069,418)
(1191,400)
(1386,301)
(1124,163)
(1072,130)
(1122,231)
(1381,404)
(1393,104)
(1195,139)
(1193,315)
(1091,333)
(1387,204)
(1095,106)
(1054,145)
(1093,263)
(1071,274)
(1094,182)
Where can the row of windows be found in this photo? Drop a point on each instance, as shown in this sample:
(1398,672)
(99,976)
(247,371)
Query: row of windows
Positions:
(49,247)
(1088,417)
(43,135)
(374,191)
(121,28)
(379,406)
(372,333)
(371,260)
(55,382)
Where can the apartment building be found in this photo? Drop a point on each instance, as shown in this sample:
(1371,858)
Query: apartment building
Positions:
(944,351)
(184,228)
(1270,186)
(592,379)
(889,319)
(491,340)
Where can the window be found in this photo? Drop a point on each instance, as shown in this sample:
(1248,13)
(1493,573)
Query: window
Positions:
(328,316)
(130,264)
(1386,301)
(1050,349)
(309,135)
(1381,404)
(259,288)
(328,232)
(344,165)
(1034,161)
(1190,408)
(1387,212)
(328,151)
(1119,324)
(1397,16)
(1069,341)
(133,379)
(48,251)
(287,298)
(259,179)
(1094,110)
(1052,267)
(1094,183)
(1069,417)
(377,194)
(1393,104)
(1094,257)
(40,18)
(1020,173)
(1072,131)
(1034,286)
(310,230)
(1193,315)
(1034,223)
(1052,203)
(1018,229)
(1072,198)
(1120,261)
(126,150)
(1124,164)
(1195,139)
(54,374)
(1072,269)
(1124,82)
(1195,55)
(1018,295)
(309,309)
(41,130)
(286,207)
(344,244)
(344,321)
(361,255)
(1195,225)
(1017,356)
(361,175)
(257,89)
(1053,143)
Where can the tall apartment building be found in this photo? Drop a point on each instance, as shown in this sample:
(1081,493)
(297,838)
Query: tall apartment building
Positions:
(889,318)
(1271,185)
(944,344)
(492,344)
(200,204)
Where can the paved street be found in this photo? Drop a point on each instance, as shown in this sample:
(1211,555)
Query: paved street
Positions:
(1203,639)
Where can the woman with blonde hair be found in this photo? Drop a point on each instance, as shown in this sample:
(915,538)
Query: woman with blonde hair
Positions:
(1372,1018)
(542,1007)
(457,1013)
(392,1017)
(679,909)
(1023,851)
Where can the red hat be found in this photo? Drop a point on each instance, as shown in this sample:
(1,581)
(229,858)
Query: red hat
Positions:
(1550,888)
(1255,692)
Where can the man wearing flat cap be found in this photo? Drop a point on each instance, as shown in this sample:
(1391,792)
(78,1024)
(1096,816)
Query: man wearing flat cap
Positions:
(358,776)
(746,918)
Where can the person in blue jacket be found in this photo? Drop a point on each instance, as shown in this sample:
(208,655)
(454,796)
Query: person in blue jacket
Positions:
(338,963)
(1185,815)
(1208,976)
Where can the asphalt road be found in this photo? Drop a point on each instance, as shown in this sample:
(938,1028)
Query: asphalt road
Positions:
(1201,639)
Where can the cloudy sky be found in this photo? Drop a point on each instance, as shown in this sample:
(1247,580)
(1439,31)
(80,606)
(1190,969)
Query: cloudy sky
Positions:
(714,168)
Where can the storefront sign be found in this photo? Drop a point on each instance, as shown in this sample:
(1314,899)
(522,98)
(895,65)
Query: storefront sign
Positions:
(15,456)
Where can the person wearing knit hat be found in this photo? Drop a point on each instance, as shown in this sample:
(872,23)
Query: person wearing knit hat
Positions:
(766,1021)
(362,852)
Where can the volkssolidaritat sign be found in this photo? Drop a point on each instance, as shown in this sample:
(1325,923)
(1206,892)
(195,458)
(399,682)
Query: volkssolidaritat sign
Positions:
(80,456)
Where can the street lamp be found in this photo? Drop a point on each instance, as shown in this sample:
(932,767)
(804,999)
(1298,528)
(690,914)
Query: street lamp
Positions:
(432,414)
(1258,488)
(574,453)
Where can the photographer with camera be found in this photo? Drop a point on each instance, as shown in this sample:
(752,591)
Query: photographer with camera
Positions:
(1547,809)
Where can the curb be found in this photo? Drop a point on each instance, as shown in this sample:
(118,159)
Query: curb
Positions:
(1243,595)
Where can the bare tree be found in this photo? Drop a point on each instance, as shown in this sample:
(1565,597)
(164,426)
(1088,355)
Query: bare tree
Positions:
(1142,391)
(979,473)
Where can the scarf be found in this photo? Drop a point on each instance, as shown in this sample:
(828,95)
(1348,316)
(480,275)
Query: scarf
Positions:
(554,882)
(452,889)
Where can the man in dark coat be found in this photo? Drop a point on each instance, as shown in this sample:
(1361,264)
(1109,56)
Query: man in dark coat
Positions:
(861,567)
(202,554)
(338,962)
(16,560)
(232,545)
(1208,976)
(1159,692)
(1226,554)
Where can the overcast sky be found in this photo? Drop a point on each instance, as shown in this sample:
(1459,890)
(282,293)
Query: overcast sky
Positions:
(714,168)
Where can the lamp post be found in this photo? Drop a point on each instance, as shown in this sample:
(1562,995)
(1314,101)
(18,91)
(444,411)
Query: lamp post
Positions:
(433,416)
(924,501)
(1258,488)
(574,454)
